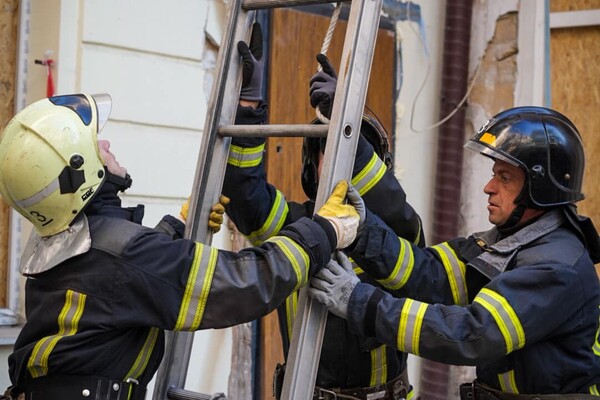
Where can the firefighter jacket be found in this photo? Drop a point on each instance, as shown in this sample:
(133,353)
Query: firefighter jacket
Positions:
(104,312)
(260,211)
(523,308)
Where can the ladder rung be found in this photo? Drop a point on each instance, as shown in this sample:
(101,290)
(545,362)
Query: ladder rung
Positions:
(262,4)
(181,394)
(275,130)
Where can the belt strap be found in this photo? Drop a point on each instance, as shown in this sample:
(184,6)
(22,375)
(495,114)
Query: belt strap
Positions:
(478,391)
(75,387)
(396,389)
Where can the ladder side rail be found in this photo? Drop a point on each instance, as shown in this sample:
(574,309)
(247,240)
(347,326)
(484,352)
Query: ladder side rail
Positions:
(208,181)
(342,140)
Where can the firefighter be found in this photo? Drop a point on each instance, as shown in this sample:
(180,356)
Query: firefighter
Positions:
(101,288)
(520,301)
(354,365)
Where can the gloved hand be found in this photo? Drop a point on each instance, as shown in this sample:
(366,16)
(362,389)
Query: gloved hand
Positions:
(252,65)
(334,284)
(183,212)
(345,218)
(322,86)
(215,218)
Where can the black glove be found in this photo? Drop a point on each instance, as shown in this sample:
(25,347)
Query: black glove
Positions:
(253,65)
(322,86)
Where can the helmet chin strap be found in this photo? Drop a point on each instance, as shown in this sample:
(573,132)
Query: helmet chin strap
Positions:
(522,201)
(121,183)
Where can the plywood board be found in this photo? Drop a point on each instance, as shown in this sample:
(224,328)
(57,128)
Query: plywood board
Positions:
(575,85)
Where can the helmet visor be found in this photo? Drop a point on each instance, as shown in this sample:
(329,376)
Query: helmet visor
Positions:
(103,105)
(489,152)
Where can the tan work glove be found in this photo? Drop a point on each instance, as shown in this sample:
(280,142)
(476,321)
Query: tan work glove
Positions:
(345,218)
(215,218)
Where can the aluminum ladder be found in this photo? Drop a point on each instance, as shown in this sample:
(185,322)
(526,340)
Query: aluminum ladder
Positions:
(342,139)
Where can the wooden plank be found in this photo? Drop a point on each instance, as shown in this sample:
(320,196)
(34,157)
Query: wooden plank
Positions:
(8,59)
(573,5)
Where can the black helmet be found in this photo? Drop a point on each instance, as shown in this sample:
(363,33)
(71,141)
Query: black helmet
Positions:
(545,144)
(372,130)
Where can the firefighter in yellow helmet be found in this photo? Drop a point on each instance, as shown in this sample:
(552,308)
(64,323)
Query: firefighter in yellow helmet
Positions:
(101,287)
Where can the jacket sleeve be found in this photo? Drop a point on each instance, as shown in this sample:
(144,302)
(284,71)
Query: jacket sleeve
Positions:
(516,309)
(435,274)
(257,208)
(384,195)
(185,285)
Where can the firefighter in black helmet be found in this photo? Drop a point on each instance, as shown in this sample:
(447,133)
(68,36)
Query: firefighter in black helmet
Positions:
(348,362)
(519,301)
(101,288)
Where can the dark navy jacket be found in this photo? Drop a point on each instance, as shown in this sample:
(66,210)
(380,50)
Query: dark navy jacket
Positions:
(104,312)
(259,211)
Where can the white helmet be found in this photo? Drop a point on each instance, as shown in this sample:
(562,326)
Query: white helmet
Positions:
(50,164)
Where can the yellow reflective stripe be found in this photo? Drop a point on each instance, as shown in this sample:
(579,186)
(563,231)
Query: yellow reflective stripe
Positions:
(141,361)
(508,382)
(409,326)
(596,345)
(274,221)
(411,394)
(369,175)
(594,390)
(297,257)
(291,304)
(507,320)
(197,288)
(455,270)
(378,366)
(416,240)
(402,269)
(68,322)
(245,157)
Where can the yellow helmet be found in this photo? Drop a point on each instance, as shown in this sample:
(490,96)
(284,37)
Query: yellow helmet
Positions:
(50,164)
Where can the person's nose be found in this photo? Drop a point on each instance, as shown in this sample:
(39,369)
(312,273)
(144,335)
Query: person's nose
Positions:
(490,187)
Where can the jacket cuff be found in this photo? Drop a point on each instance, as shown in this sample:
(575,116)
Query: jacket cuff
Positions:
(308,234)
(328,228)
(362,309)
(171,226)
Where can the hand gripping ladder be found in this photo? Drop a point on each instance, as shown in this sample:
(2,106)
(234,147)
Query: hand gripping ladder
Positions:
(342,138)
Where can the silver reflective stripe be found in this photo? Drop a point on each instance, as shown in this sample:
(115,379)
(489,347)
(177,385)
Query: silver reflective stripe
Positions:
(197,288)
(141,361)
(39,196)
(378,366)
(409,326)
(369,175)
(455,270)
(245,157)
(507,320)
(296,256)
(68,323)
(274,221)
(402,269)
(507,382)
